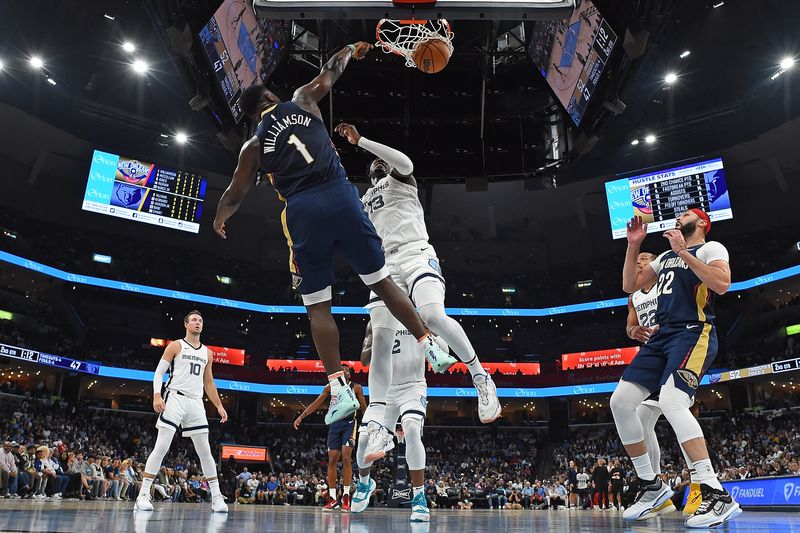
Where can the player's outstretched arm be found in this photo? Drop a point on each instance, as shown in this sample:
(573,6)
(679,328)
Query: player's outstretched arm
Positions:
(243,178)
(211,390)
(170,352)
(310,94)
(402,166)
(632,280)
(313,407)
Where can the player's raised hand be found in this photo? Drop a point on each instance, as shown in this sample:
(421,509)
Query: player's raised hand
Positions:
(637,230)
(361,49)
(158,404)
(219,228)
(223,414)
(676,240)
(349,132)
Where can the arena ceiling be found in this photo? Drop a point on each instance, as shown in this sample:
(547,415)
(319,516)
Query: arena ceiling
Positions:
(479,118)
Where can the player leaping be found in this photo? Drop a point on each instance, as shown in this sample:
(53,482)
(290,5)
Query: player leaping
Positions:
(189,365)
(673,361)
(395,210)
(322,216)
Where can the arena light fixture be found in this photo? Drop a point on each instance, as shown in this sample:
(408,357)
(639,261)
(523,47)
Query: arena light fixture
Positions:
(718,4)
(109,16)
(635,142)
(140,67)
(225,280)
(51,81)
(793,330)
(650,139)
(181,137)
(685,54)
(2,65)
(670,78)
(36,62)
(787,63)
(129,47)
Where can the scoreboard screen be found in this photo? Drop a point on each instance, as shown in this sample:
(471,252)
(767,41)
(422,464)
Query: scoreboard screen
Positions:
(241,49)
(572,54)
(659,197)
(146,192)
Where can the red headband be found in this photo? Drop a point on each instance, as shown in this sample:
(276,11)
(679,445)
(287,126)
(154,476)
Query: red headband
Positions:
(703,216)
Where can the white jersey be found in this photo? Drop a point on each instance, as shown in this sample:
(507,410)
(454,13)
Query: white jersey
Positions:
(187,370)
(408,361)
(645,304)
(394,209)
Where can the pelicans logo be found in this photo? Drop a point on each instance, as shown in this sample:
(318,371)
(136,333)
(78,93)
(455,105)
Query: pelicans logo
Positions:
(133,171)
(641,200)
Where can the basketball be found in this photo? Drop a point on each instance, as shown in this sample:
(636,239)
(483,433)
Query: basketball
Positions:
(431,56)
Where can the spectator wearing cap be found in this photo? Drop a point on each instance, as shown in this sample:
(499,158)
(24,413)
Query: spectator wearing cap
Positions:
(9,476)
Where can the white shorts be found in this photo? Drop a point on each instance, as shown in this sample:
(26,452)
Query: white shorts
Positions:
(183,413)
(410,268)
(409,399)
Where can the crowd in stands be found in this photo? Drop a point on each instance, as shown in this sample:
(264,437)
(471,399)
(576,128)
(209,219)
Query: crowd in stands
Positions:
(50,452)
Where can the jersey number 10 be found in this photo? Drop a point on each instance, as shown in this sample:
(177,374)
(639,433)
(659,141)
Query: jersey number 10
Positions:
(300,147)
(194,369)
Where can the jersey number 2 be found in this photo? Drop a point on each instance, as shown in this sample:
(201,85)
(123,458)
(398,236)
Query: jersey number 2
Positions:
(300,147)
(194,368)
(396,347)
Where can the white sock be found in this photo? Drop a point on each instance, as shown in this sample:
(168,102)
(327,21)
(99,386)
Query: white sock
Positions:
(347,490)
(644,468)
(704,473)
(363,479)
(147,482)
(337,382)
(693,476)
(417,490)
(213,487)
(332,492)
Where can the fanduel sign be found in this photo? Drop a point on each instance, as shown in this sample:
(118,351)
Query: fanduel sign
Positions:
(765,491)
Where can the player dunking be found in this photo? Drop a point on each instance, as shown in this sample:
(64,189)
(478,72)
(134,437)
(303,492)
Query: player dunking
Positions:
(323,214)
(189,365)
(407,403)
(674,360)
(341,439)
(641,324)
(393,206)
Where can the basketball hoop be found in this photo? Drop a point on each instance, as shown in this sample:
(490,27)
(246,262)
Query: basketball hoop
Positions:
(402,37)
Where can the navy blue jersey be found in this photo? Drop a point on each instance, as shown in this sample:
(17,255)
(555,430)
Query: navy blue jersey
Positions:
(296,151)
(682,297)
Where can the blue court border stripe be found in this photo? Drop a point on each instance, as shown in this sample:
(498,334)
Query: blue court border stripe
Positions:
(343,310)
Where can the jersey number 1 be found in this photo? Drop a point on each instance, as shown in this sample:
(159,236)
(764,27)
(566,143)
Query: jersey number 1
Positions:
(298,144)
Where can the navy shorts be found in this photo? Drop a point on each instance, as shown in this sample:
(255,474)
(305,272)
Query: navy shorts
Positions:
(322,220)
(684,351)
(342,433)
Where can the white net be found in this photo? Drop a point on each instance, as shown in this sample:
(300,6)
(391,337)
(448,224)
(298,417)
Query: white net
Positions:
(403,37)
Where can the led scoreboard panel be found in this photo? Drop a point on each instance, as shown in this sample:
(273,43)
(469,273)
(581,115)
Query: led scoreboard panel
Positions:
(124,187)
(660,197)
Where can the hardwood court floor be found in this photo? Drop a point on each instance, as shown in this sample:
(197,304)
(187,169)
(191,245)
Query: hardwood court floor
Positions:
(101,517)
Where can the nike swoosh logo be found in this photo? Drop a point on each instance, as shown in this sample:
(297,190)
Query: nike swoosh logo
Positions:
(692,327)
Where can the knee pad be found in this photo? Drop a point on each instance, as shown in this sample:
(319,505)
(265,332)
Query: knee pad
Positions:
(675,405)
(415,450)
(626,398)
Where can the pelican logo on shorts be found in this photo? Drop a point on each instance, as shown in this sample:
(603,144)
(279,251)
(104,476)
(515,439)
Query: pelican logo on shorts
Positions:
(296,281)
(132,171)
(434,264)
(641,200)
(689,377)
(423,401)
(401,494)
